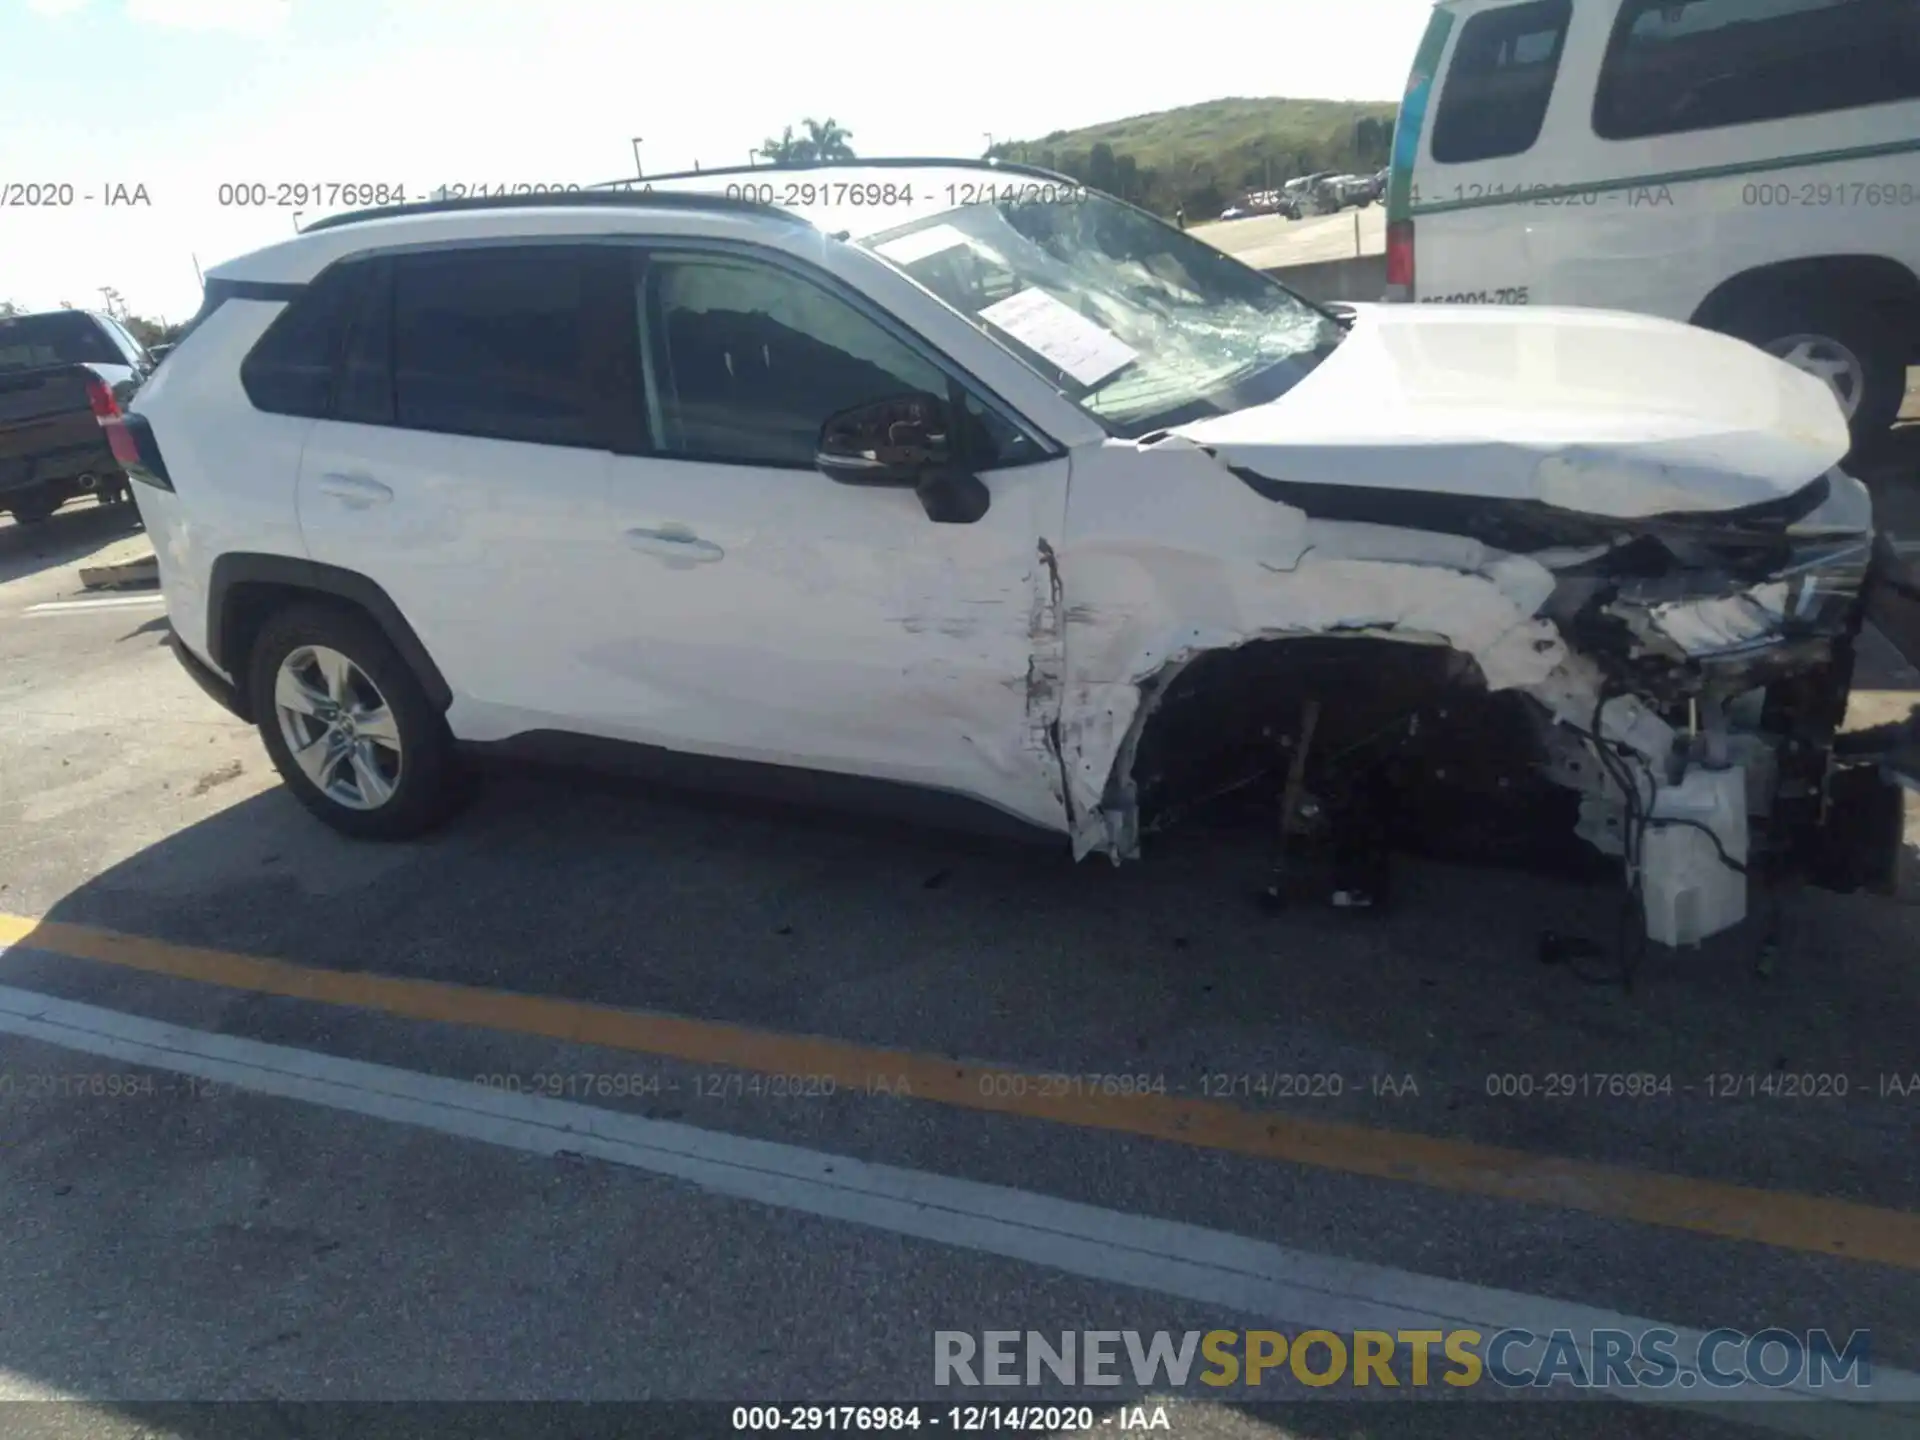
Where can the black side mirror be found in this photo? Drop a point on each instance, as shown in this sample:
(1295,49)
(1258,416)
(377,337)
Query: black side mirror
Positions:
(905,441)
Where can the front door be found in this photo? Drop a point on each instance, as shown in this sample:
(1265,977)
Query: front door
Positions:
(760,611)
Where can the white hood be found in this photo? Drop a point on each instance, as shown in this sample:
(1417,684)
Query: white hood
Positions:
(1587,410)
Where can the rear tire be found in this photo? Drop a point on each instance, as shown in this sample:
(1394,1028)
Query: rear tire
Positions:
(349,727)
(1863,356)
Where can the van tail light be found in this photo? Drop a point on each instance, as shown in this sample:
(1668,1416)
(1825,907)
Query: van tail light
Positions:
(1400,260)
(100,398)
(130,438)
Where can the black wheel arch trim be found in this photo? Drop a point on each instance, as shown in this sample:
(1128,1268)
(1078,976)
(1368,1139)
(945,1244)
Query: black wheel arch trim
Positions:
(1800,277)
(240,568)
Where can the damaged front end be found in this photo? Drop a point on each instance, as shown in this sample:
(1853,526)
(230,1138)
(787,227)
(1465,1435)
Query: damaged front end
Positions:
(1736,632)
(1505,680)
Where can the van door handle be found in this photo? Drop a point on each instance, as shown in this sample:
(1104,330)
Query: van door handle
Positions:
(356,492)
(675,544)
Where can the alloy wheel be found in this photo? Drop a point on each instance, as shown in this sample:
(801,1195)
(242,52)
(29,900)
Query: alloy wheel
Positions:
(1829,362)
(338,727)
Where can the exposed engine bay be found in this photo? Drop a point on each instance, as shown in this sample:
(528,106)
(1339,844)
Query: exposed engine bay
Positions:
(1662,703)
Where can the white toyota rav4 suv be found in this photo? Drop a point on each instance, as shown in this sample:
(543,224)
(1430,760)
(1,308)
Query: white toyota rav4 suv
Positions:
(963,477)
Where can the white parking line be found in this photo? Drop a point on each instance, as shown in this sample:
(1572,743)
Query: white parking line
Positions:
(1229,1271)
(104,602)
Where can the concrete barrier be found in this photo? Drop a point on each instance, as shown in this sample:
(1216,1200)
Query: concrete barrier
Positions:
(1361,278)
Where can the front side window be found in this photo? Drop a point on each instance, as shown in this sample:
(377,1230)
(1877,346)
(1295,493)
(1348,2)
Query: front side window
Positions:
(1499,81)
(1699,64)
(491,341)
(744,361)
(1136,322)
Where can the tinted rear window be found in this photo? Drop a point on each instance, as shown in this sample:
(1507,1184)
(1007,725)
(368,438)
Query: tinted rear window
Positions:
(1699,64)
(492,341)
(290,371)
(363,386)
(1498,84)
(66,337)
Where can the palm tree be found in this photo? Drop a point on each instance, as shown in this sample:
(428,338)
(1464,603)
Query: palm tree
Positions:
(827,140)
(787,150)
(824,140)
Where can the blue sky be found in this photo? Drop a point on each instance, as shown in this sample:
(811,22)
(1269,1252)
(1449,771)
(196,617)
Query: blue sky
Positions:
(180,96)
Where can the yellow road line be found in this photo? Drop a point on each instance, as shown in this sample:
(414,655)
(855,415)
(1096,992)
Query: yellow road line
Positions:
(1768,1217)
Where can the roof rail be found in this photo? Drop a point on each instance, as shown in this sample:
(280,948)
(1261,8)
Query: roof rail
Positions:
(593,197)
(889,162)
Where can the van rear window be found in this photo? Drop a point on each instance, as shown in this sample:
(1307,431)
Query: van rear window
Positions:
(1494,99)
(1699,64)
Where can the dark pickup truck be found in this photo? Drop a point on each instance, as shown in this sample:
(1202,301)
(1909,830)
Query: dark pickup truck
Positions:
(61,373)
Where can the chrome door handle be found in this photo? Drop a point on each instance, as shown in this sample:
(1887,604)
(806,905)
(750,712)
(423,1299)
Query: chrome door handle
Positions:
(356,492)
(675,544)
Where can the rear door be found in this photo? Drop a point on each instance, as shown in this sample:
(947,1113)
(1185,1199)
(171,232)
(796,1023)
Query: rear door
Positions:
(463,467)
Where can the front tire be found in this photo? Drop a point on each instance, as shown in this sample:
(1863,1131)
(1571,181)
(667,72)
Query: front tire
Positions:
(349,728)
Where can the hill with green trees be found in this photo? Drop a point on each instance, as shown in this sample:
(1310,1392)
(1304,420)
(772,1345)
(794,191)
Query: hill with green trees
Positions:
(1203,157)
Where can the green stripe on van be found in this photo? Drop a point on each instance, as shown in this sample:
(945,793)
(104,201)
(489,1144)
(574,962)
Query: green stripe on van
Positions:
(1412,118)
(1671,177)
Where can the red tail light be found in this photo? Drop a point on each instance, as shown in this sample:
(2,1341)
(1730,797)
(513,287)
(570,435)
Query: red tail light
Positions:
(120,440)
(131,439)
(1400,258)
(100,397)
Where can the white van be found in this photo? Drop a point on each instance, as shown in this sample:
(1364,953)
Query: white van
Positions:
(1752,166)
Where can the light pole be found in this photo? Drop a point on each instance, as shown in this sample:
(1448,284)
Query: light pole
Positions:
(989,135)
(753,157)
(637,173)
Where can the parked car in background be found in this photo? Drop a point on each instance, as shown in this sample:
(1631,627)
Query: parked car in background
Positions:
(1301,197)
(1354,190)
(61,373)
(1333,192)
(695,474)
(1754,169)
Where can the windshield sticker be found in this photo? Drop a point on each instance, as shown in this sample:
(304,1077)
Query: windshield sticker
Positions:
(921,243)
(1061,335)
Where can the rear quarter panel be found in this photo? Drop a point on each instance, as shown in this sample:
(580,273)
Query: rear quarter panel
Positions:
(234,468)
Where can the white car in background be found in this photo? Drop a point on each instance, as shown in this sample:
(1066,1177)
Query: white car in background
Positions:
(964,478)
(1752,166)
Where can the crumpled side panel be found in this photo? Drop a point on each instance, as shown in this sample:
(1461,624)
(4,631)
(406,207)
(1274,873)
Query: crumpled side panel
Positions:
(1199,562)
